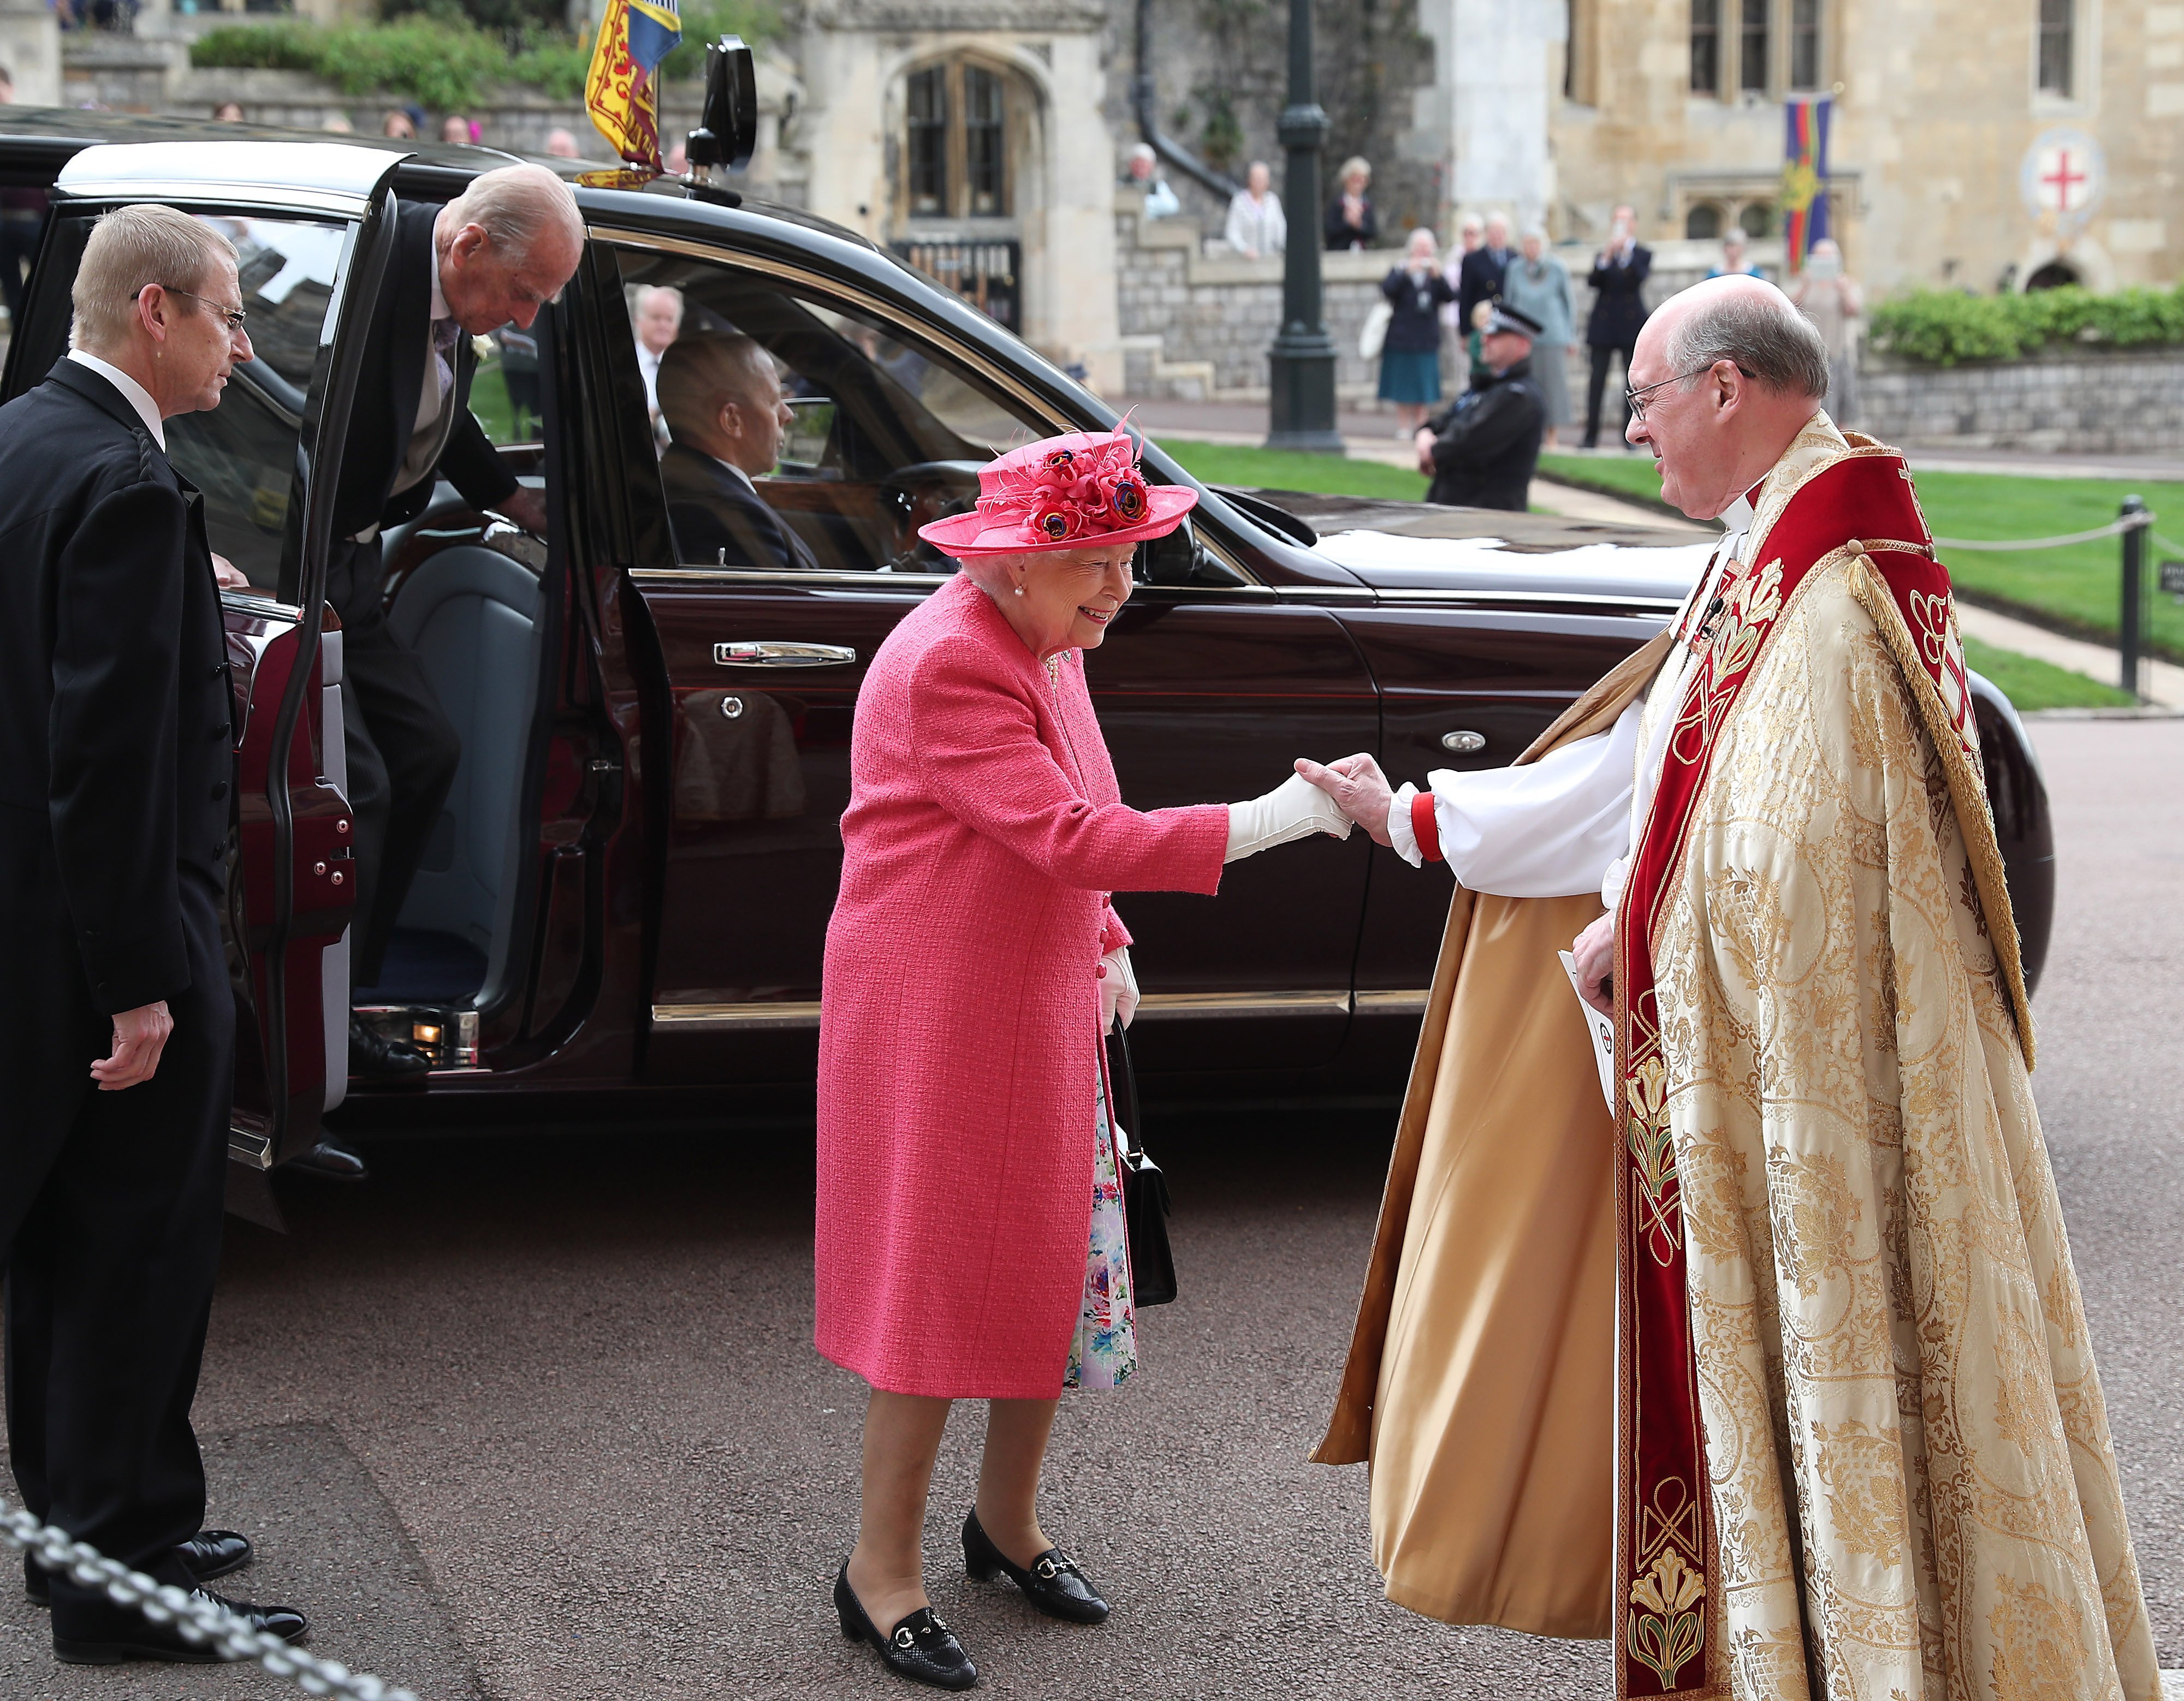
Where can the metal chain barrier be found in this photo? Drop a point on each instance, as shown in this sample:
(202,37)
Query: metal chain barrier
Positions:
(197,1618)
(2134,522)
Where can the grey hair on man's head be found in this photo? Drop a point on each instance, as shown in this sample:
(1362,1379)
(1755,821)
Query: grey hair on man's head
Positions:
(514,204)
(128,249)
(1769,341)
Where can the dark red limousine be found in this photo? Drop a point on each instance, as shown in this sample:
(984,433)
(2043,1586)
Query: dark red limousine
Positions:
(622,911)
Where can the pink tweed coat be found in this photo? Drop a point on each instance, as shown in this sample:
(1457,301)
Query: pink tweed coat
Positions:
(959,1011)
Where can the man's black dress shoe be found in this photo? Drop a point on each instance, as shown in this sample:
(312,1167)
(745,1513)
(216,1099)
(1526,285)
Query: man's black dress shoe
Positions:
(383,1061)
(127,1636)
(1053,1583)
(327,1162)
(920,1647)
(210,1554)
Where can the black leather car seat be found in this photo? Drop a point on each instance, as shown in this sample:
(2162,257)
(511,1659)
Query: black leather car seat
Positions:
(471,614)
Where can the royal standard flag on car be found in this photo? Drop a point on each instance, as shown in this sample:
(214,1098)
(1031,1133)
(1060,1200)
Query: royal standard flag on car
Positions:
(1805,179)
(634,36)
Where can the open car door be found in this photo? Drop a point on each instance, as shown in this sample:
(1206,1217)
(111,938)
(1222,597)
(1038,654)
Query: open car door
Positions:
(312,225)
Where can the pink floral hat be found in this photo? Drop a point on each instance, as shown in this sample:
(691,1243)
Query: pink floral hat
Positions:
(1077,490)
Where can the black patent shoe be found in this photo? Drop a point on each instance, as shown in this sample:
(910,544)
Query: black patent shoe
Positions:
(384,1062)
(920,1647)
(327,1162)
(210,1554)
(1053,1583)
(122,1635)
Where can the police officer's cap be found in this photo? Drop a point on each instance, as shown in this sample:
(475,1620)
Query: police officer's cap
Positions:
(1506,317)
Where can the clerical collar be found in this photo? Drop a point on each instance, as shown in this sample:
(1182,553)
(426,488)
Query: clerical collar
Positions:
(1738,515)
(132,392)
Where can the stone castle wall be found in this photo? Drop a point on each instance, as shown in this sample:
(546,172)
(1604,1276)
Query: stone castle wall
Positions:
(2088,402)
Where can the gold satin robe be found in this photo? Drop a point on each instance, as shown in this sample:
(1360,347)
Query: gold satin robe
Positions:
(1914,1492)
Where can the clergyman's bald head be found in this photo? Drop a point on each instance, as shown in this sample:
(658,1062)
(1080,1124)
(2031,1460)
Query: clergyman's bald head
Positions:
(1745,320)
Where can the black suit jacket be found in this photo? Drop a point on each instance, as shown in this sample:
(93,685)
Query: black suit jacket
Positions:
(1478,279)
(1619,307)
(116,729)
(392,380)
(711,509)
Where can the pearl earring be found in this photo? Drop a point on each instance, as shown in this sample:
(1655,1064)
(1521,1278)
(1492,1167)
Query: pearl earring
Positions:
(1020,589)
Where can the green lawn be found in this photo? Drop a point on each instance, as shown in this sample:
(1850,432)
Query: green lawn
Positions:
(2031,683)
(2078,585)
(1238,463)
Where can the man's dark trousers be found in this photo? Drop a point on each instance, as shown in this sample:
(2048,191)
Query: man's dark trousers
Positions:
(113,1201)
(1601,354)
(402,749)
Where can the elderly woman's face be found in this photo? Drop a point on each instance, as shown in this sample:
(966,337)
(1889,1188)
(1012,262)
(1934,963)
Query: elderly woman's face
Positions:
(1069,595)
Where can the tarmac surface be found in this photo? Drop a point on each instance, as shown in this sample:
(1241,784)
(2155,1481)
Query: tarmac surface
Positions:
(540,1419)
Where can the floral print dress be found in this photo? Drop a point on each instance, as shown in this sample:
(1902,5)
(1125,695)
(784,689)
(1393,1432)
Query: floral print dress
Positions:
(1105,1350)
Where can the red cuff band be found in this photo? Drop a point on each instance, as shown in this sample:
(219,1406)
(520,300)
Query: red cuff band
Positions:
(1422,825)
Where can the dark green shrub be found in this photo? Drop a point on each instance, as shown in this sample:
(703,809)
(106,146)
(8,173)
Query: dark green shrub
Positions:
(1941,329)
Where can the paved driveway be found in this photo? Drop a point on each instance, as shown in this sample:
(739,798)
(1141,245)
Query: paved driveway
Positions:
(538,1418)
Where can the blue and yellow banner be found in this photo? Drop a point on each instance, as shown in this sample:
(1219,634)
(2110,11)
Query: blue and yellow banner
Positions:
(634,36)
(1805,178)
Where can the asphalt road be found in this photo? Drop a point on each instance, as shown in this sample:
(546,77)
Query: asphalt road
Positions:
(536,1419)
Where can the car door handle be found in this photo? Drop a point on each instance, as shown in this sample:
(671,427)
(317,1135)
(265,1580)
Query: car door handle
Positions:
(782,653)
(1463,743)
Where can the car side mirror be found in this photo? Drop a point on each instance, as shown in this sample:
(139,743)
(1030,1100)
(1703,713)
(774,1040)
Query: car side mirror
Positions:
(727,128)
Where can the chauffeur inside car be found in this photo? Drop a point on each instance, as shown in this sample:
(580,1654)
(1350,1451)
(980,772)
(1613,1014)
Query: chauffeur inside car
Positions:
(721,399)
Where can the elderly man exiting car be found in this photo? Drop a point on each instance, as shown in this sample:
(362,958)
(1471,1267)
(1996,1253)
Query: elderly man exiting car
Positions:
(117,1021)
(493,256)
(1778,1375)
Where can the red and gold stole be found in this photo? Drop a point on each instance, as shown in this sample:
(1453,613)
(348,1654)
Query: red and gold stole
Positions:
(1858,504)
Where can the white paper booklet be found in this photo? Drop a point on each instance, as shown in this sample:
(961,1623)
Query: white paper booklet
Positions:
(1602,1031)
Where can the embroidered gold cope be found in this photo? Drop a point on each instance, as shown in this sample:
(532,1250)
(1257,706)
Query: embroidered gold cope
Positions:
(1913,1494)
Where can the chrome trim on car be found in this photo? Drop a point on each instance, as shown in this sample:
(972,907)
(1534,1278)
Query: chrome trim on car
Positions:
(782,653)
(251,1145)
(712,1019)
(1387,595)
(1394,1003)
(1192,1006)
(783,575)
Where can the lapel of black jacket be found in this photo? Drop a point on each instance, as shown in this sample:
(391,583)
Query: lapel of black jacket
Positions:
(412,323)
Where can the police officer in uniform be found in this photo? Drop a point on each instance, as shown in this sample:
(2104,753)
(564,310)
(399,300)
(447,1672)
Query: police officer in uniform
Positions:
(1481,451)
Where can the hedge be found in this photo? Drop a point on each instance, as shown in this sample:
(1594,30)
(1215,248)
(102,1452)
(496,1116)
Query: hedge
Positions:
(449,65)
(1941,329)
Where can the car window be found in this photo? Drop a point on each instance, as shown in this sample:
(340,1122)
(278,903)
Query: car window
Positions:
(842,435)
(505,389)
(242,454)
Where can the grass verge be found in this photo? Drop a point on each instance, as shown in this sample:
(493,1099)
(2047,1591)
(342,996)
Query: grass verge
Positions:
(2031,683)
(2076,589)
(1238,463)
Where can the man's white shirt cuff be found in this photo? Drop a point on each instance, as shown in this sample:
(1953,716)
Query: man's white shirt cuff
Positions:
(1399,835)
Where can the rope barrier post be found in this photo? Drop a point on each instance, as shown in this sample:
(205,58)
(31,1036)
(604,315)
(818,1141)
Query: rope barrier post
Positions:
(2134,575)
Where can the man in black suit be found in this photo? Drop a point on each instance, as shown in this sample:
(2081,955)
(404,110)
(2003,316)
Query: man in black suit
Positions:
(493,256)
(1619,272)
(721,399)
(117,1019)
(1478,276)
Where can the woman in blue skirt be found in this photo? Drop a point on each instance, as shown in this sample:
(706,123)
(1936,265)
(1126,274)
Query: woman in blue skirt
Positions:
(1410,357)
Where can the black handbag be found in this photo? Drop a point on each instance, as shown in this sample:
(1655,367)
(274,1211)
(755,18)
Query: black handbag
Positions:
(1144,1188)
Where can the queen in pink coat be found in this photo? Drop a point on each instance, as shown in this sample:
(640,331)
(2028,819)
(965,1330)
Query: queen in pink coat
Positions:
(970,1241)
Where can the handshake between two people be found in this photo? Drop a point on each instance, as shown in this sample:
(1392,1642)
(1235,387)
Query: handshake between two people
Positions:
(1360,793)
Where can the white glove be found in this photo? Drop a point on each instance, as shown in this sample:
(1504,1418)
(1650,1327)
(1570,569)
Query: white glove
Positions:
(1295,810)
(1118,989)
